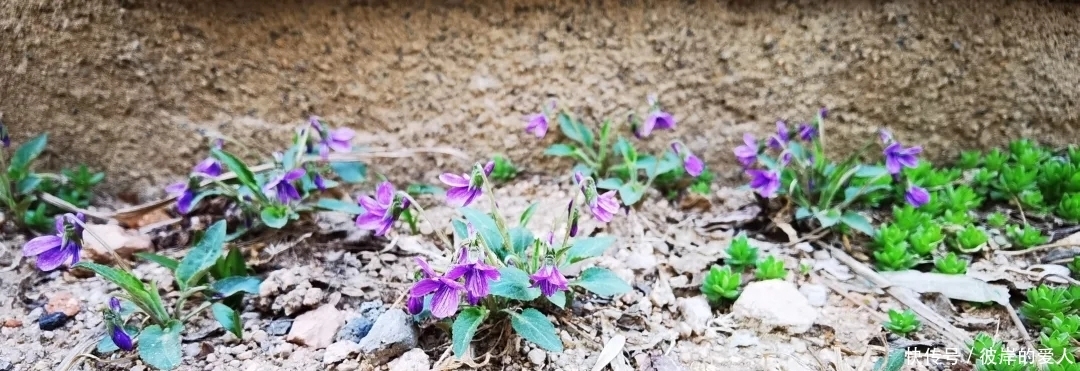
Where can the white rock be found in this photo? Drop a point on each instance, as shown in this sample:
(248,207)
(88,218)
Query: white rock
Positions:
(413,360)
(316,328)
(392,335)
(696,312)
(774,304)
(537,357)
(743,338)
(640,261)
(339,351)
(816,295)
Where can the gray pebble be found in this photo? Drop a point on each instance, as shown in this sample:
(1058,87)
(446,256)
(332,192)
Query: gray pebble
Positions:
(279,327)
(355,329)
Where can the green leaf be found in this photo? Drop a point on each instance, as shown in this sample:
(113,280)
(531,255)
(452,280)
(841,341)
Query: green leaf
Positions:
(520,240)
(243,174)
(275,216)
(828,218)
(125,280)
(610,183)
(858,222)
(229,286)
(588,247)
(574,130)
(535,327)
(625,149)
(162,260)
(288,160)
(560,150)
(866,171)
(631,193)
(602,282)
(160,347)
(228,318)
(201,257)
(28,185)
(350,172)
(461,230)
(527,215)
(514,284)
(231,265)
(418,189)
(802,213)
(27,152)
(333,204)
(485,226)
(559,299)
(465,326)
(854,192)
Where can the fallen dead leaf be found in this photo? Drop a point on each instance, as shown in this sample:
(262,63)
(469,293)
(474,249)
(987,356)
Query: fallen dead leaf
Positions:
(612,349)
(952,286)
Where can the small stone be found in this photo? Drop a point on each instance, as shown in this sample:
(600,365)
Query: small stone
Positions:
(413,360)
(816,295)
(63,302)
(372,309)
(192,350)
(245,355)
(5,365)
(279,326)
(393,334)
(12,322)
(316,328)
(537,357)
(774,304)
(640,261)
(282,350)
(52,321)
(355,329)
(696,312)
(125,242)
(211,358)
(339,351)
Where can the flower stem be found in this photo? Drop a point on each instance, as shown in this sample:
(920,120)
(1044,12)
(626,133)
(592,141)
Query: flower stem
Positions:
(500,221)
(184,296)
(197,310)
(423,214)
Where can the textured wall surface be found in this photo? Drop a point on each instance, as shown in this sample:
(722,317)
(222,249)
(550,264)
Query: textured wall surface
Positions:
(128,84)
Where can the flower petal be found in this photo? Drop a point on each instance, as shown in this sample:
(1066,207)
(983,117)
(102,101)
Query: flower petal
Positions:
(445,302)
(424,287)
(370,220)
(385,194)
(52,259)
(41,244)
(458,196)
(294,174)
(454,180)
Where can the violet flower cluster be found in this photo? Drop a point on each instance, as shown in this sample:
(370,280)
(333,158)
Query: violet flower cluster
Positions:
(187,191)
(446,289)
(62,247)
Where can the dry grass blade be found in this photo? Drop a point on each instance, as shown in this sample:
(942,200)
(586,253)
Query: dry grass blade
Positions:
(1071,240)
(906,296)
(612,349)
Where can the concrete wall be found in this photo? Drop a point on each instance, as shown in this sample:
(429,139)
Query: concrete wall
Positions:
(128,84)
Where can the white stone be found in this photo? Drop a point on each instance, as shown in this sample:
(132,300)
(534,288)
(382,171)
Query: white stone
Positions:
(695,311)
(816,295)
(339,351)
(316,328)
(537,356)
(774,304)
(413,360)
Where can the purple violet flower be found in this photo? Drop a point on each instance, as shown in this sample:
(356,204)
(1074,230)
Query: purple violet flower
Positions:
(337,140)
(282,186)
(114,304)
(572,216)
(378,212)
(807,132)
(782,135)
(604,206)
(657,120)
(463,188)
(4,138)
(692,164)
(765,182)
(886,136)
(444,303)
(185,193)
(319,183)
(823,112)
(916,196)
(537,125)
(477,276)
(120,338)
(748,152)
(209,168)
(549,280)
(897,157)
(54,250)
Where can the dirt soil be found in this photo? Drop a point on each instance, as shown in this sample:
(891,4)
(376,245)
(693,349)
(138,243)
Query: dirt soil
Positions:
(120,82)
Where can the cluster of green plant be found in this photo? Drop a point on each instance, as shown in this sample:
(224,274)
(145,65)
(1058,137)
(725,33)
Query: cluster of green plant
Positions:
(206,276)
(617,163)
(919,234)
(20,185)
(724,283)
(1056,312)
(503,170)
(902,323)
(1031,176)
